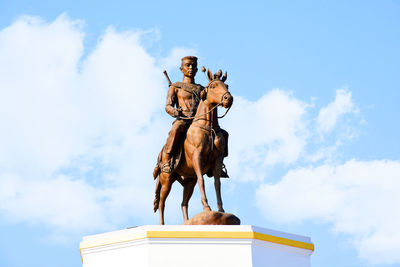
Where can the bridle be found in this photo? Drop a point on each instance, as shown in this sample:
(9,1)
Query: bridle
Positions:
(219,104)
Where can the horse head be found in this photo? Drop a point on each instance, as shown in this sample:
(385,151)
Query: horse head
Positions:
(216,92)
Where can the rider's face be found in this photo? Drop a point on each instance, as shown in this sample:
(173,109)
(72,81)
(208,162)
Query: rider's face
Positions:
(189,68)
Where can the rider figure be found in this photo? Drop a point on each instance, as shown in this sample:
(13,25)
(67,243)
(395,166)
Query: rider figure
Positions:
(182,101)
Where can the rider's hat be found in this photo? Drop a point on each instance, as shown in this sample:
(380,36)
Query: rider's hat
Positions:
(190,57)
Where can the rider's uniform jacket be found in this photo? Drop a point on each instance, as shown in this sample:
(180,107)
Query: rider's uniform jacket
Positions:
(185,96)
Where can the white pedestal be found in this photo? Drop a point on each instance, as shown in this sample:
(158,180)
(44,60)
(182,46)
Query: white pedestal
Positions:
(196,246)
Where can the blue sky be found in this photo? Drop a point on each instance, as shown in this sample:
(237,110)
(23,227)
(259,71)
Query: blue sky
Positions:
(314,134)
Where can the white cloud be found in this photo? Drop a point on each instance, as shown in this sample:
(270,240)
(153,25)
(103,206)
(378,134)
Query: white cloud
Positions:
(329,115)
(173,60)
(358,198)
(59,202)
(265,132)
(277,130)
(76,137)
(38,62)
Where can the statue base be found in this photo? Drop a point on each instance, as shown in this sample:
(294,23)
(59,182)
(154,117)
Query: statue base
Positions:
(213,218)
(196,246)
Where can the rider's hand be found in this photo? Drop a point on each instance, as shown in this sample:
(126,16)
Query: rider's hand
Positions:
(177,112)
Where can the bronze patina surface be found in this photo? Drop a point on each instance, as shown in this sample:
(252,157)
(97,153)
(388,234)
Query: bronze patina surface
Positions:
(196,145)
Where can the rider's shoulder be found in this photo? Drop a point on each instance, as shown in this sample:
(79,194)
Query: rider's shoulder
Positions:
(188,86)
(177,84)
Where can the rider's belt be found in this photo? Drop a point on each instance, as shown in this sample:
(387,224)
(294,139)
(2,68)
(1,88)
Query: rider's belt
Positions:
(189,113)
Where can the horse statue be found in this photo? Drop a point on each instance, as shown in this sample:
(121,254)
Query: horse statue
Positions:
(203,149)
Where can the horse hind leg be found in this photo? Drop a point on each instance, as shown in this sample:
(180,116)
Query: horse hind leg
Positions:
(188,187)
(166,182)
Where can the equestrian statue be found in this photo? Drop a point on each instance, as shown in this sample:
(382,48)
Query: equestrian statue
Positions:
(196,145)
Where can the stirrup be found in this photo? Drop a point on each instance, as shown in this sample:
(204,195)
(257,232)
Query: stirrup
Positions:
(224,172)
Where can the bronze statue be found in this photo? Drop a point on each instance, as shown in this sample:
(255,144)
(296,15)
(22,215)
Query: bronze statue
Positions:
(186,159)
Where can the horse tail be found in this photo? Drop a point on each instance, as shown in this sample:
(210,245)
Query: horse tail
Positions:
(156,171)
(157,195)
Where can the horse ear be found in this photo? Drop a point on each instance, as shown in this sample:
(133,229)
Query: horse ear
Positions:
(224,77)
(209,75)
(203,95)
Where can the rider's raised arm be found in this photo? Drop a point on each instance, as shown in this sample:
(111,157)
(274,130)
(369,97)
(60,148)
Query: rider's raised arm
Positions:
(171,102)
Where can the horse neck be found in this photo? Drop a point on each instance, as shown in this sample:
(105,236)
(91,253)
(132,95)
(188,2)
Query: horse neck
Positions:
(203,115)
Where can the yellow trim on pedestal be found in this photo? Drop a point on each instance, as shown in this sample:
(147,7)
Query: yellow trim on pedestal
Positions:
(197,234)
(283,241)
(231,235)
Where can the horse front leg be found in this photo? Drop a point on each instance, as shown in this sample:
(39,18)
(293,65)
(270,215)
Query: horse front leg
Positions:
(217,182)
(197,166)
